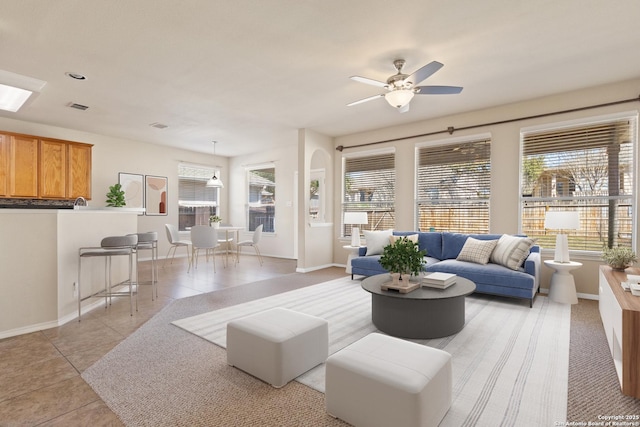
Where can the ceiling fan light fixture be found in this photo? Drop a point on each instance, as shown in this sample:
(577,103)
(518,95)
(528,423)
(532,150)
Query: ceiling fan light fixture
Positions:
(399,98)
(214,181)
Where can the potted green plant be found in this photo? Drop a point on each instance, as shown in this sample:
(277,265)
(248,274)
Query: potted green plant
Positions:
(115,197)
(619,257)
(214,221)
(403,257)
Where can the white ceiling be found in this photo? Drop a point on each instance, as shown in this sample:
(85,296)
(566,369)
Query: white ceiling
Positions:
(249,73)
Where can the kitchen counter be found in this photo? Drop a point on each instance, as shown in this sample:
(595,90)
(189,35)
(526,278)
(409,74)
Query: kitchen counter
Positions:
(39,263)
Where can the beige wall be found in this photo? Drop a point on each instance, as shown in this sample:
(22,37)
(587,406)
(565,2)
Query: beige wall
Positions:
(504,209)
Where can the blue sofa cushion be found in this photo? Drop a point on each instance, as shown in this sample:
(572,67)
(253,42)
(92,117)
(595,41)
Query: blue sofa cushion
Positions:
(452,243)
(429,241)
(489,274)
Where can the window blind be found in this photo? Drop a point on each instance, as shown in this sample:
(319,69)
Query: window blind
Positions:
(196,201)
(369,186)
(586,168)
(192,189)
(454,185)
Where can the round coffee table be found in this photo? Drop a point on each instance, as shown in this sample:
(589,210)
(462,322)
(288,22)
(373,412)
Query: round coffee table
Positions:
(422,313)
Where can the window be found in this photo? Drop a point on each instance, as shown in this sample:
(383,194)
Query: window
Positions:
(454,186)
(369,186)
(196,201)
(586,168)
(262,198)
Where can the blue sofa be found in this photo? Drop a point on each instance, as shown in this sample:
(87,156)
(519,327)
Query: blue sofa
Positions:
(443,248)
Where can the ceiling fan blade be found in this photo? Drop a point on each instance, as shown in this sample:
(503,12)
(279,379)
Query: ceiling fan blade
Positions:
(368,81)
(424,72)
(437,90)
(365,100)
(404,109)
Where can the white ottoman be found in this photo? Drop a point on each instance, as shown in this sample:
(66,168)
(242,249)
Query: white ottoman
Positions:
(277,345)
(384,381)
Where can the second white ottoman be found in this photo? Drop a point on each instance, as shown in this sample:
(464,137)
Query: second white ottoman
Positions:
(277,345)
(385,381)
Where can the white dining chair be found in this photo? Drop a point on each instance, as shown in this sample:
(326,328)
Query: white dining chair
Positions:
(175,242)
(203,237)
(257,234)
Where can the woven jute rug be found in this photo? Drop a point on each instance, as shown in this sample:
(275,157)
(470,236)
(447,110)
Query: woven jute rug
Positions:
(162,375)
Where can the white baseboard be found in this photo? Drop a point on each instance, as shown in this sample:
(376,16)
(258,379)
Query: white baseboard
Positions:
(580,294)
(589,296)
(319,267)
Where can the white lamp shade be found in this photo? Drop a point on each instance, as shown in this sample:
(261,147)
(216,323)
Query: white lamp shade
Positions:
(399,98)
(563,220)
(356,218)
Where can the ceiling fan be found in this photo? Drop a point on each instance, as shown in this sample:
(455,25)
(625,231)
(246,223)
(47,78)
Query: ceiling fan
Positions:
(402,87)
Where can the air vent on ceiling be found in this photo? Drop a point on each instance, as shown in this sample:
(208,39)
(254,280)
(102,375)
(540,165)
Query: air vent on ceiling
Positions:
(158,125)
(78,106)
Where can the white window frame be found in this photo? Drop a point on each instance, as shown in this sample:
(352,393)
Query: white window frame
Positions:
(580,202)
(203,173)
(363,206)
(421,200)
(268,200)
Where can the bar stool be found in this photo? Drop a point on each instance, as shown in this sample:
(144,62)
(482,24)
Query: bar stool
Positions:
(109,247)
(149,241)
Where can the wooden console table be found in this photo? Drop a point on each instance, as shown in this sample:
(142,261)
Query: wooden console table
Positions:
(620,313)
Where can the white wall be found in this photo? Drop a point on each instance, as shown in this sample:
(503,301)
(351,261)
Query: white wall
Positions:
(505,139)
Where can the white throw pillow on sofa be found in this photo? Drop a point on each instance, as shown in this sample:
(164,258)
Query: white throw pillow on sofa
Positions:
(376,241)
(511,251)
(478,251)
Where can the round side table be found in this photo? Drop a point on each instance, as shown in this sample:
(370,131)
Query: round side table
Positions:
(353,252)
(563,287)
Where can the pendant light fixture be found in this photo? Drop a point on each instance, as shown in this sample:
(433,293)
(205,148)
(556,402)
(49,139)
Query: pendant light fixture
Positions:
(214,181)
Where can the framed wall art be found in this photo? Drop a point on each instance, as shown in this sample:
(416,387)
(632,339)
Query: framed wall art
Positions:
(155,195)
(133,187)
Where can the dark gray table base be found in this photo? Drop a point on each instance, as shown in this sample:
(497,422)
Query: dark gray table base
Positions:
(424,313)
(406,318)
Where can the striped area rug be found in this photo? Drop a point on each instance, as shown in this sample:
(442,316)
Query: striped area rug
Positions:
(510,362)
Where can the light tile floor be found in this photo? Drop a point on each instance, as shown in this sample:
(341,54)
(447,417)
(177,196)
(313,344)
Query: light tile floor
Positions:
(40,381)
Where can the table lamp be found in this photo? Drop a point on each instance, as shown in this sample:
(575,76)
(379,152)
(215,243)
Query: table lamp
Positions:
(562,220)
(355,218)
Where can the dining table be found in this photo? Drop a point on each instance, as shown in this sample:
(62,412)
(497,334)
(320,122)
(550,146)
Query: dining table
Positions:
(229,229)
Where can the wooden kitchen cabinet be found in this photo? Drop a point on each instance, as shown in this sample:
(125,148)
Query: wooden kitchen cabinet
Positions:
(52,182)
(34,167)
(79,171)
(23,166)
(4,166)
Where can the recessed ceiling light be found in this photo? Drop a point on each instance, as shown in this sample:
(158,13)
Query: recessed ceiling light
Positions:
(76,76)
